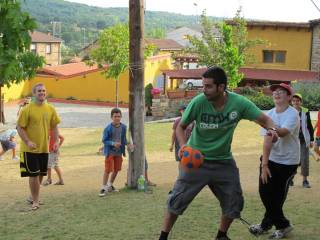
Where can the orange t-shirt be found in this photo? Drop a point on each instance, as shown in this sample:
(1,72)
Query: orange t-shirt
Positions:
(318,127)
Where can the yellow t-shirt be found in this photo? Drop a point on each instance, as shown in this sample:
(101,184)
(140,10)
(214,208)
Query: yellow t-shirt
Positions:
(37,120)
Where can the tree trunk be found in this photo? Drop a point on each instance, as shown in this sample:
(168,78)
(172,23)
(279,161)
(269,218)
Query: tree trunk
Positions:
(2,120)
(136,91)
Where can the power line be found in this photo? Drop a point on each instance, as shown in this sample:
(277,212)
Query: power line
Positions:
(315,5)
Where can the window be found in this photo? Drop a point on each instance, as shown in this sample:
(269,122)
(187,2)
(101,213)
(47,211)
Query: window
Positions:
(270,56)
(280,57)
(33,48)
(48,49)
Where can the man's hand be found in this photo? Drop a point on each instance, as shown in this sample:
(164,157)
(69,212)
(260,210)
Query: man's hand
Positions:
(31,145)
(130,147)
(273,134)
(181,150)
(265,173)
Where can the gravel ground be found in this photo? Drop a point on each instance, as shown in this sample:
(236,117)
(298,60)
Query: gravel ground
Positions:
(73,115)
(77,116)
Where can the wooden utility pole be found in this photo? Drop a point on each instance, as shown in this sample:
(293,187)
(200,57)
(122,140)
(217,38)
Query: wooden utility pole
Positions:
(136,91)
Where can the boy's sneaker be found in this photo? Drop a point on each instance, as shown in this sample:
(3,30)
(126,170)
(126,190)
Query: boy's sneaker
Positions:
(15,158)
(103,193)
(306,184)
(112,189)
(256,229)
(281,233)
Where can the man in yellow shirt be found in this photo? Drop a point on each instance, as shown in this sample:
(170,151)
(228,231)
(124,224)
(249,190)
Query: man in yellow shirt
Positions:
(34,123)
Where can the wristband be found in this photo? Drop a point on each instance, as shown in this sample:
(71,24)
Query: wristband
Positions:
(273,129)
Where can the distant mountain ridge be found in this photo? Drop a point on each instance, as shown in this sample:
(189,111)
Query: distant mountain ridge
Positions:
(80,23)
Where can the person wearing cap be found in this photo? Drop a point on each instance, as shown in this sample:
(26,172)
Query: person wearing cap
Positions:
(305,136)
(7,140)
(215,113)
(279,163)
(174,140)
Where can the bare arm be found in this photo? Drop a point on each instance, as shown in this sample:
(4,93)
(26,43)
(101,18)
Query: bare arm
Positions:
(266,122)
(61,140)
(56,144)
(180,134)
(173,137)
(23,134)
(265,172)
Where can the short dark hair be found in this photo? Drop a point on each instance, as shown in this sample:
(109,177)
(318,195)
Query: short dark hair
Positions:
(115,110)
(218,75)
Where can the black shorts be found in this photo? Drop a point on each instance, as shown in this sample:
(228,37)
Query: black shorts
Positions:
(33,164)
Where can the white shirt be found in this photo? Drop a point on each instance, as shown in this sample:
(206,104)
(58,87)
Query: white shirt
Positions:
(287,149)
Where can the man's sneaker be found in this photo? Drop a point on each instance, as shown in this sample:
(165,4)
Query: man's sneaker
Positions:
(256,229)
(16,158)
(103,193)
(222,238)
(306,184)
(112,189)
(281,233)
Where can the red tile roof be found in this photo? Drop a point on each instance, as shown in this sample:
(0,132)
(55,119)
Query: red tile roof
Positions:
(42,37)
(257,23)
(250,74)
(68,70)
(164,44)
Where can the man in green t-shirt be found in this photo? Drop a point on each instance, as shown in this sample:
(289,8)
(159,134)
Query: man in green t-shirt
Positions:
(216,113)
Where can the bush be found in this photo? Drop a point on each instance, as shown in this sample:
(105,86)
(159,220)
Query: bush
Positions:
(310,93)
(262,101)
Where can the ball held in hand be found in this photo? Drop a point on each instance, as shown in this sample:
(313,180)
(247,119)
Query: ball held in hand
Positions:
(191,158)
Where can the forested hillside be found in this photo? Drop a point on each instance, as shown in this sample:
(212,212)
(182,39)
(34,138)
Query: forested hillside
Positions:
(79,24)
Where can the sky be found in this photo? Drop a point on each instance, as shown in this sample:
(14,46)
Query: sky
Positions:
(273,10)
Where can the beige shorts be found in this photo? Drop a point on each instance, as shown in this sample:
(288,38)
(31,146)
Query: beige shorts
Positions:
(53,160)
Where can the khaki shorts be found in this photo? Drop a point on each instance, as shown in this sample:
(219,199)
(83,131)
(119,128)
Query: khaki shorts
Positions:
(53,160)
(222,177)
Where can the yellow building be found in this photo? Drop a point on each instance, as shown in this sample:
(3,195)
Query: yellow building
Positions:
(82,82)
(47,46)
(287,47)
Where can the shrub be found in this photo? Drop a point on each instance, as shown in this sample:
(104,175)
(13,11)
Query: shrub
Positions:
(310,93)
(262,101)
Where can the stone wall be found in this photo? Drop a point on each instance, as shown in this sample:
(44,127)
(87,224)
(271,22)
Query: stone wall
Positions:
(315,55)
(164,107)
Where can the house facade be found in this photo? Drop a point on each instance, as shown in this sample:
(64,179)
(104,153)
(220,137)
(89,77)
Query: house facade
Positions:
(287,45)
(47,46)
(82,82)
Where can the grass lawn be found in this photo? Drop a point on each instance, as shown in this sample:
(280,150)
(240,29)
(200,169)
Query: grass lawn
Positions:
(75,211)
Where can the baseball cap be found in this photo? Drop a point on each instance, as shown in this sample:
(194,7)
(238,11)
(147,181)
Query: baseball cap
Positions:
(182,107)
(282,85)
(298,95)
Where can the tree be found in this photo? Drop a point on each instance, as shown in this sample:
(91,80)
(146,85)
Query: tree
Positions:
(113,51)
(17,63)
(223,44)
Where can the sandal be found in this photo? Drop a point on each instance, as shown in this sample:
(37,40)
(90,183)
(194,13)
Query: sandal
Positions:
(59,183)
(34,208)
(47,182)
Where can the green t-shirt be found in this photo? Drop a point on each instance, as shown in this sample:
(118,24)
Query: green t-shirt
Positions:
(213,131)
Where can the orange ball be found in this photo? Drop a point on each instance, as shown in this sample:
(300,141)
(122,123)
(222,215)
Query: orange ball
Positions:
(191,158)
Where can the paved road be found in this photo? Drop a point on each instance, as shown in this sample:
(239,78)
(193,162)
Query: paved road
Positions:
(73,115)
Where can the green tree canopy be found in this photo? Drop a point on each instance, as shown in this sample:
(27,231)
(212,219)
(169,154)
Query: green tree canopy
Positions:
(17,63)
(113,51)
(224,45)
